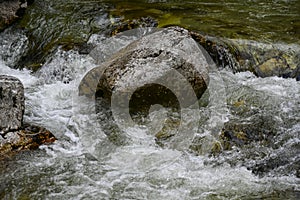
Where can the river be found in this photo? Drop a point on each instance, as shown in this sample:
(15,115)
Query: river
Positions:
(84,164)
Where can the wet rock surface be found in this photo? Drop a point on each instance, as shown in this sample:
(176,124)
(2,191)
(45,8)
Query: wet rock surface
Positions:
(263,59)
(11,10)
(156,69)
(162,46)
(28,137)
(11,103)
(238,134)
(16,135)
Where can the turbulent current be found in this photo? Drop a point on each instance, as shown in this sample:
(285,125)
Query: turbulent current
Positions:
(85,164)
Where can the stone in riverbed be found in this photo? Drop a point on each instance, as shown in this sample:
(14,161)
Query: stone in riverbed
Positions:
(17,136)
(145,63)
(11,103)
(28,137)
(260,129)
(262,59)
(165,67)
(10,11)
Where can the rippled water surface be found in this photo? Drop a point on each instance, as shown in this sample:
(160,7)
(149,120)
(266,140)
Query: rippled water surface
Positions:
(273,21)
(85,164)
(276,20)
(70,23)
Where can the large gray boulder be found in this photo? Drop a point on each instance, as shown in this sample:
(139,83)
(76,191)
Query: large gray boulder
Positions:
(11,103)
(149,61)
(166,67)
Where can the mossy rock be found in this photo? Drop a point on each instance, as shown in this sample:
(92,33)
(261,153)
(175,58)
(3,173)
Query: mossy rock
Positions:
(132,24)
(262,59)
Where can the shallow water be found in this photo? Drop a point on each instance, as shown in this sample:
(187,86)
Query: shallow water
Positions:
(274,21)
(85,164)
(70,23)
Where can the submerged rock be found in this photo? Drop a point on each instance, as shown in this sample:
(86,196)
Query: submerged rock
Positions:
(13,45)
(133,24)
(15,135)
(238,133)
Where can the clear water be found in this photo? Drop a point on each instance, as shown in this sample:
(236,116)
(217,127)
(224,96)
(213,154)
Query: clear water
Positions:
(70,23)
(273,21)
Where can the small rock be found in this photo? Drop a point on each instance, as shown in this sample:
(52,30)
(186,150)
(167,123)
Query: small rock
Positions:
(28,137)
(17,136)
(10,11)
(11,104)
(273,67)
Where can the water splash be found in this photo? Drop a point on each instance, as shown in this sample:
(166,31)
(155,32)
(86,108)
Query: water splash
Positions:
(84,164)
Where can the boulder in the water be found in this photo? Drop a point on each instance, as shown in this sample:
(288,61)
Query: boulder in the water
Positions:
(263,59)
(11,103)
(148,60)
(166,67)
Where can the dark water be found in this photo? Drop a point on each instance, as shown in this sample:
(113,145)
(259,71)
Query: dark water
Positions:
(69,23)
(273,21)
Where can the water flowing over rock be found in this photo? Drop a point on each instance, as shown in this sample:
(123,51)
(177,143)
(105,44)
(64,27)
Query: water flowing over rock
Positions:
(11,10)
(16,135)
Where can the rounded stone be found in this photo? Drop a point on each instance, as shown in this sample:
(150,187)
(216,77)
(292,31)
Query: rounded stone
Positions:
(145,66)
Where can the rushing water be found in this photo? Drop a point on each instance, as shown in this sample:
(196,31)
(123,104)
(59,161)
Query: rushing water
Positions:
(85,164)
